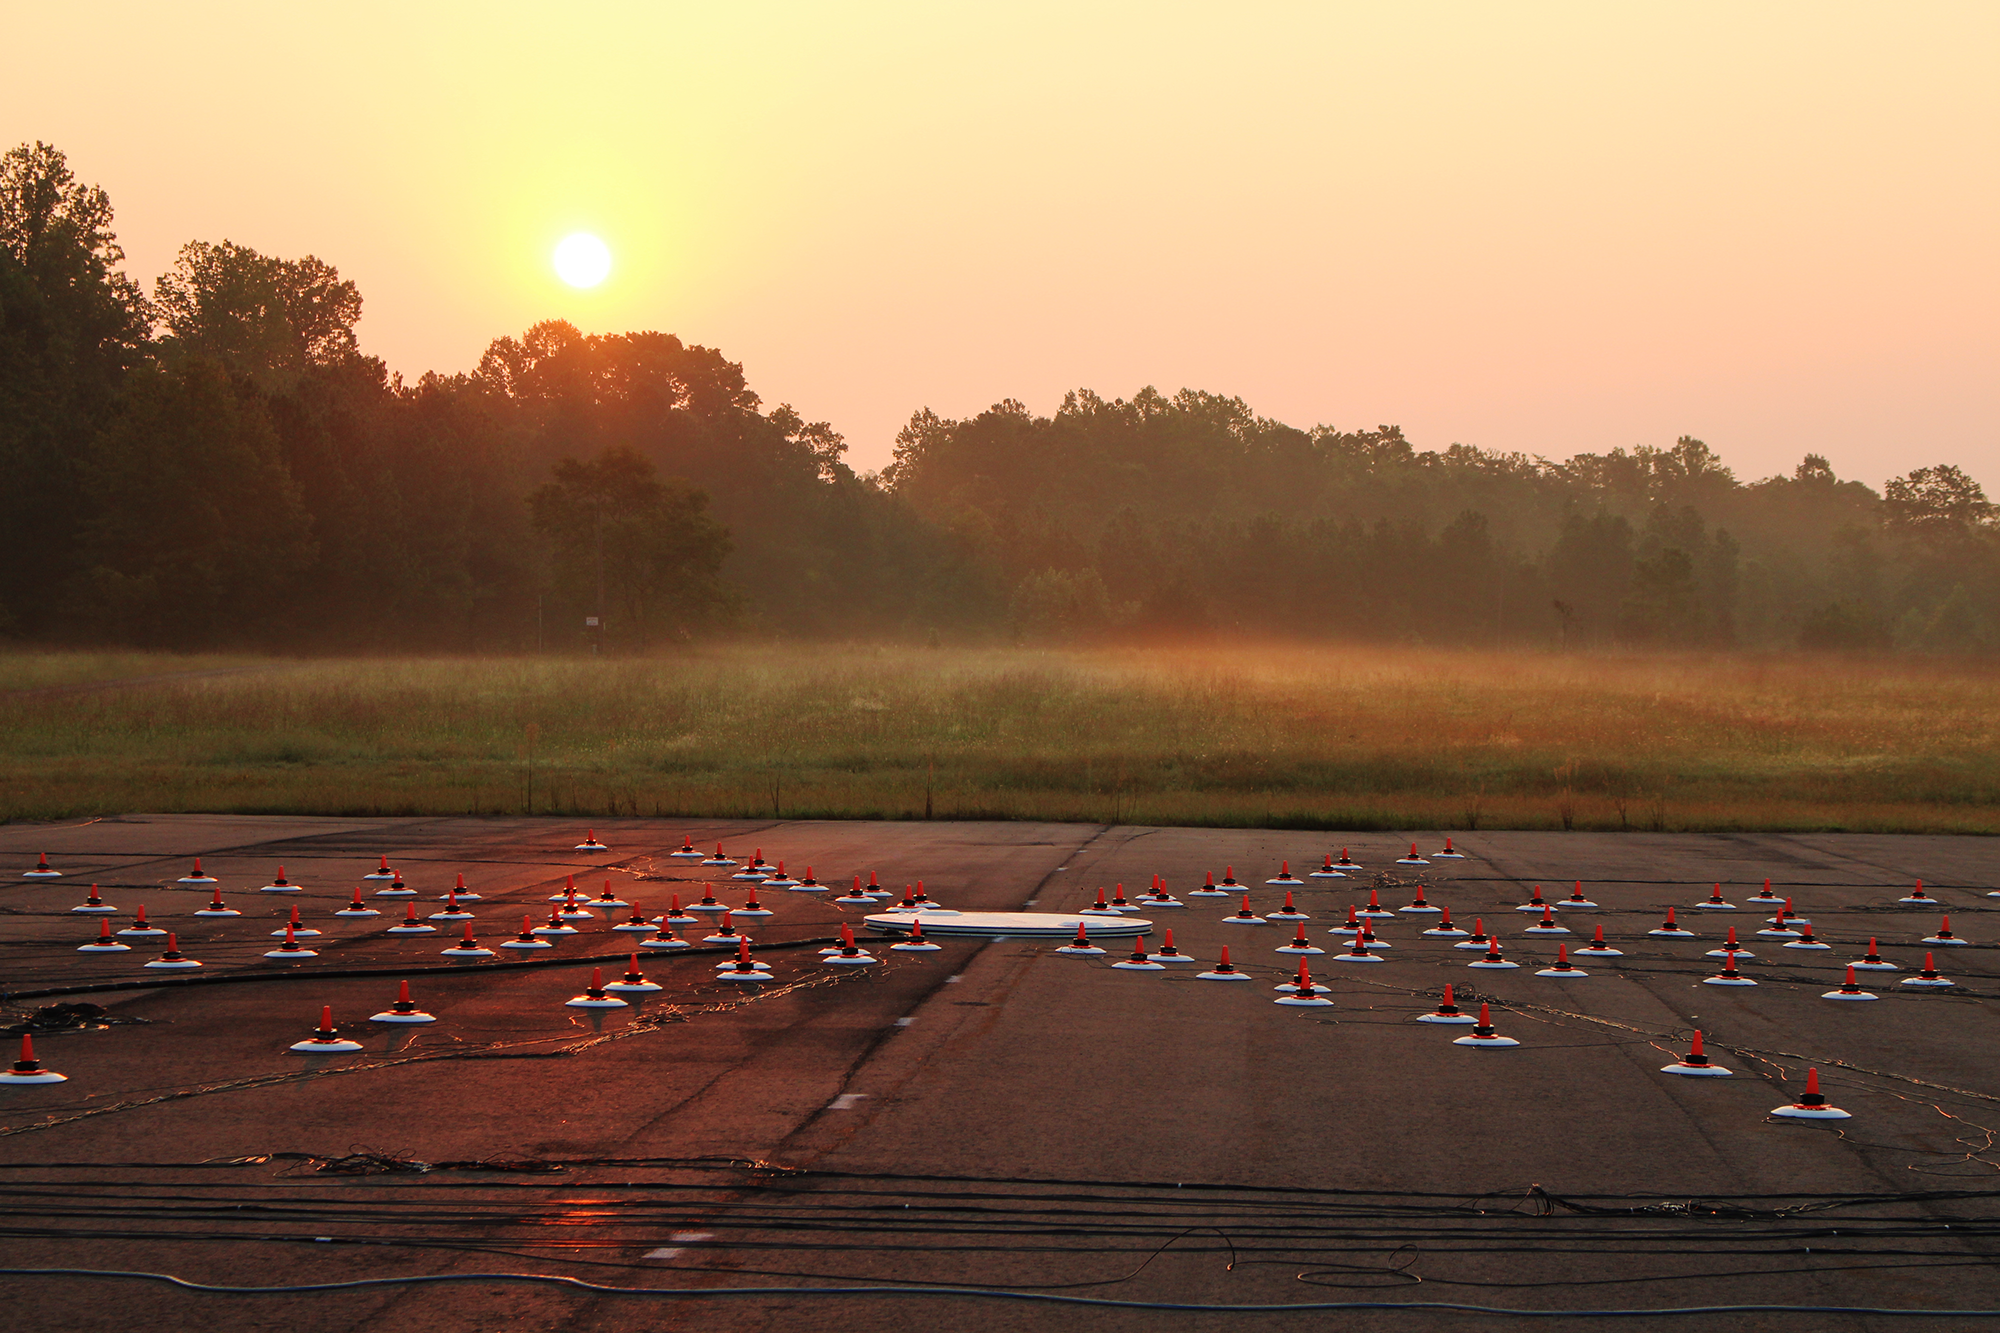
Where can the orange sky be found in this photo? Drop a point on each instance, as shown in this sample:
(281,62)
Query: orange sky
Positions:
(1544,227)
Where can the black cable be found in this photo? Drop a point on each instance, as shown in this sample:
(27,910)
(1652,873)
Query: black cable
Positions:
(978,1293)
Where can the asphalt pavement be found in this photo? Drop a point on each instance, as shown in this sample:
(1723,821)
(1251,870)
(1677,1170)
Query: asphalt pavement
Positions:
(1049,1136)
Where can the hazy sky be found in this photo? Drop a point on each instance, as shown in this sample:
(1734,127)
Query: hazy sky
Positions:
(1544,227)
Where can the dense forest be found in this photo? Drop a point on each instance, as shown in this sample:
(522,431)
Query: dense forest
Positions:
(216,463)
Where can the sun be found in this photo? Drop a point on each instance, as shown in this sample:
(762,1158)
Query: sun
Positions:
(582,260)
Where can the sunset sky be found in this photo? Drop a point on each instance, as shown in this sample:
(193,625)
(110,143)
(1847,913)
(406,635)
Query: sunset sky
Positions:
(1543,227)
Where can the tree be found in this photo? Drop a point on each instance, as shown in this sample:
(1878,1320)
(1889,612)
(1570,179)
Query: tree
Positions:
(1849,626)
(632,547)
(1664,605)
(1590,569)
(1059,606)
(257,314)
(1935,502)
(71,326)
(196,532)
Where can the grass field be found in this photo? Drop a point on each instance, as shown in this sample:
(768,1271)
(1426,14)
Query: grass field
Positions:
(1252,735)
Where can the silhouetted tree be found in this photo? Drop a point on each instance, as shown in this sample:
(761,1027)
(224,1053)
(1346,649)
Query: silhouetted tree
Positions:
(617,529)
(196,534)
(71,327)
(254,313)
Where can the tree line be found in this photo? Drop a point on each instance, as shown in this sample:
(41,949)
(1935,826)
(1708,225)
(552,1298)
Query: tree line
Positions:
(216,463)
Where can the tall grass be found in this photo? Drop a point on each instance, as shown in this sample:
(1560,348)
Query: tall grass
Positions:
(1253,735)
